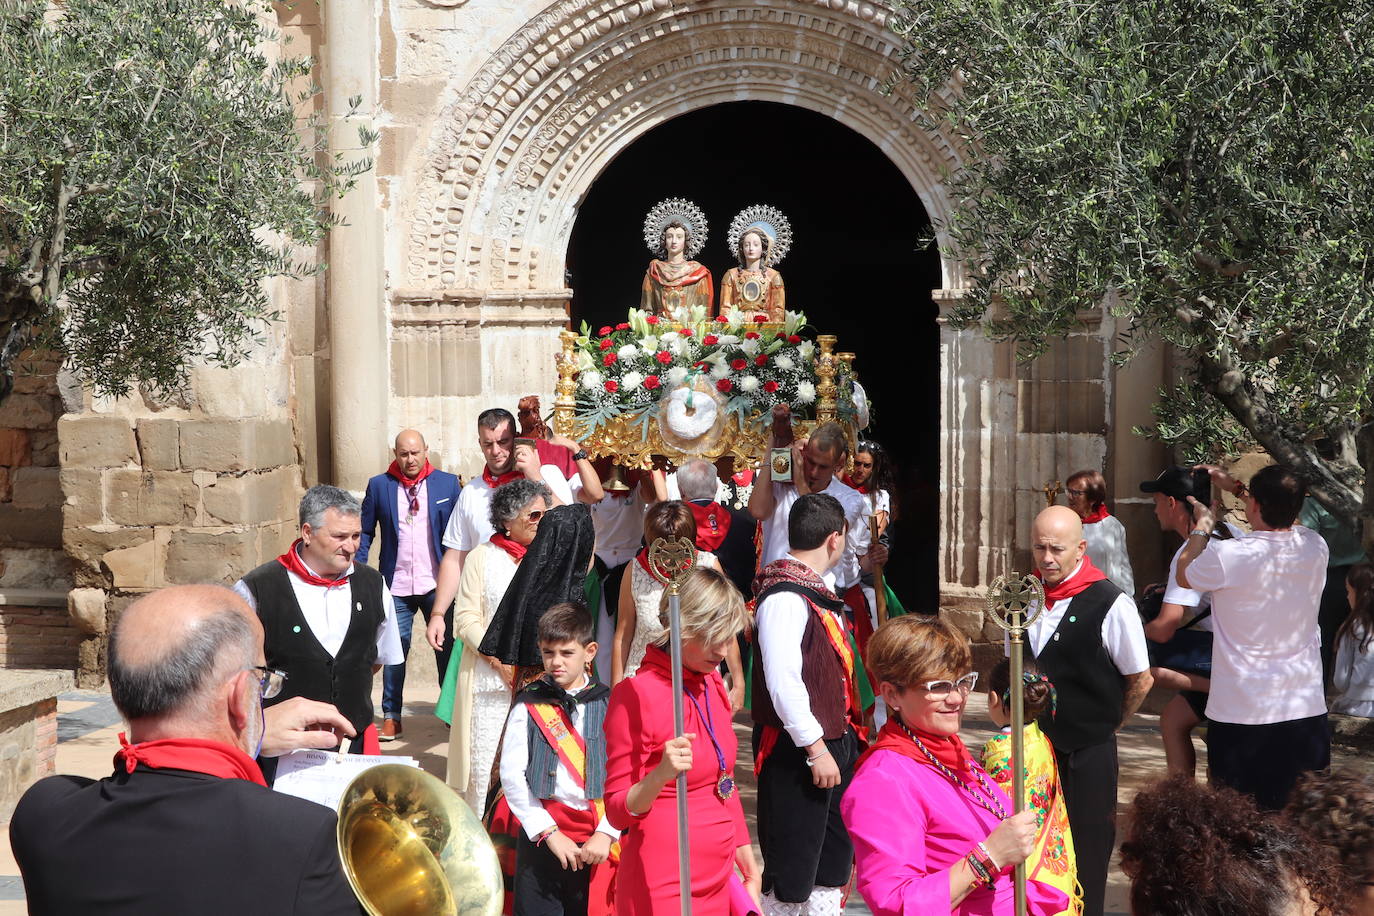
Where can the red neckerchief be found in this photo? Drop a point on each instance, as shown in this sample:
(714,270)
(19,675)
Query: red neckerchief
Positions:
(643,558)
(687,279)
(713,522)
(493,481)
(849,482)
(948,749)
(1085,575)
(196,755)
(516,550)
(395,471)
(743,478)
(1098,514)
(296,566)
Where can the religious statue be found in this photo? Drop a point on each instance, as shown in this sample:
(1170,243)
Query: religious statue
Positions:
(759,238)
(675,231)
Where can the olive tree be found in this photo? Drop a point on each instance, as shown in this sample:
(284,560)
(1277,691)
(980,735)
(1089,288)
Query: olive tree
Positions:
(154,170)
(1202,170)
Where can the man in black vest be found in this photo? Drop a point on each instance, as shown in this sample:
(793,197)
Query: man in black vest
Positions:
(185,823)
(1090,642)
(329,623)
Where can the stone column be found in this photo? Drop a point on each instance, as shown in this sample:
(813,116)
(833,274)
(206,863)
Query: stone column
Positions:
(357,328)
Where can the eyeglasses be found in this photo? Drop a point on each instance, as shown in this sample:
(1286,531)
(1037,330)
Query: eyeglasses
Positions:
(937,689)
(1072,492)
(269,680)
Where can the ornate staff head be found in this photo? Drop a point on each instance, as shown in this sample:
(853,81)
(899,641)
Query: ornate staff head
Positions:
(670,560)
(1014,602)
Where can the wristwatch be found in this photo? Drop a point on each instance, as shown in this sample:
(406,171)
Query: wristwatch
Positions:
(580,455)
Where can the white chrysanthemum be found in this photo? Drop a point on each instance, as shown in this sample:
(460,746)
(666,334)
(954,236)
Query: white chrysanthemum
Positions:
(806,392)
(806,349)
(749,384)
(591,379)
(727,340)
(628,352)
(720,370)
(630,381)
(676,376)
(750,346)
(783,362)
(669,337)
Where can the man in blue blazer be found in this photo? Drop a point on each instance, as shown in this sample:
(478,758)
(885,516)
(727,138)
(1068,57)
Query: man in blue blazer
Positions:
(411,503)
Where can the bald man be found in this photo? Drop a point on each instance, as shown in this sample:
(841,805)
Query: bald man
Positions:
(185,824)
(412,503)
(1090,642)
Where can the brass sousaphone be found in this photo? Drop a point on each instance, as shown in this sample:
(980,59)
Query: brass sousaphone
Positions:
(411,847)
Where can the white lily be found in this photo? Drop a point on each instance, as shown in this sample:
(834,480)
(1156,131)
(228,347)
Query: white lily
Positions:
(584,361)
(806,350)
(793,322)
(750,346)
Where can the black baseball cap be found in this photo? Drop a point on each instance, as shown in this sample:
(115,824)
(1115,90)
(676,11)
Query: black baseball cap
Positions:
(1180,482)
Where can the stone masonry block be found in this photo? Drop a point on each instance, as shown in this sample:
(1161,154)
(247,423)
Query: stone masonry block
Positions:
(252,499)
(87,548)
(30,527)
(43,449)
(87,609)
(134,567)
(151,498)
(96,442)
(236,445)
(6,485)
(28,411)
(15,448)
(83,495)
(158,444)
(210,555)
(37,488)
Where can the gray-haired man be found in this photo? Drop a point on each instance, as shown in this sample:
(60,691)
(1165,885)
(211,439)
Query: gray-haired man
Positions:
(328,623)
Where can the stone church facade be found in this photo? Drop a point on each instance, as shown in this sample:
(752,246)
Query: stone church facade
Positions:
(445,292)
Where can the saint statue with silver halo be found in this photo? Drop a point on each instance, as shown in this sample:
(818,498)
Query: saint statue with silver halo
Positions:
(675,231)
(760,237)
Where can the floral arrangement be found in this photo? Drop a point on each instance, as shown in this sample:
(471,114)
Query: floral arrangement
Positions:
(754,366)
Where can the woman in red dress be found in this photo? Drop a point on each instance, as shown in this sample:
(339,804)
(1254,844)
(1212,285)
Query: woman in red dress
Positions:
(644,758)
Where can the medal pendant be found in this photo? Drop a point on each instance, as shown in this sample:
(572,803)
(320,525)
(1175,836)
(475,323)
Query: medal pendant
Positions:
(725,786)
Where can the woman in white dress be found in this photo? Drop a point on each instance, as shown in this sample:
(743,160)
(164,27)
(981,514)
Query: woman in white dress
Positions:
(1106,536)
(482,698)
(637,624)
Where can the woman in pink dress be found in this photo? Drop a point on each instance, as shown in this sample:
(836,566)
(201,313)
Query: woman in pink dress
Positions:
(932,833)
(644,758)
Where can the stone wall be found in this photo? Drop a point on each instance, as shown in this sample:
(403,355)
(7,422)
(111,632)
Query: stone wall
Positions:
(28,731)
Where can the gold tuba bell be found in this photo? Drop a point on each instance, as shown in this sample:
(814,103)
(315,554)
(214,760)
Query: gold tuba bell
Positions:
(411,847)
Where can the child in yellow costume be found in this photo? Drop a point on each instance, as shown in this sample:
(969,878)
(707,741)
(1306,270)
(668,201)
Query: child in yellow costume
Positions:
(1053,860)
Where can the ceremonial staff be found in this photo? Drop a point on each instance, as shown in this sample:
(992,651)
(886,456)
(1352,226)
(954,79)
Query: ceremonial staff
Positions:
(670,559)
(1014,602)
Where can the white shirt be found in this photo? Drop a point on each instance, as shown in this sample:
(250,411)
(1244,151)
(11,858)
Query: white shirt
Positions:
(515,757)
(857,510)
(470,523)
(1123,635)
(329,616)
(1107,548)
(1266,654)
(781,622)
(619,525)
(1175,593)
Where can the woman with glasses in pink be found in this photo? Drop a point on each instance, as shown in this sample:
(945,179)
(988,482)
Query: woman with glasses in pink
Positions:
(932,831)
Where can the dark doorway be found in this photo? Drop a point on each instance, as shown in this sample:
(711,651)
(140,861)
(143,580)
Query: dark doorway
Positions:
(857,268)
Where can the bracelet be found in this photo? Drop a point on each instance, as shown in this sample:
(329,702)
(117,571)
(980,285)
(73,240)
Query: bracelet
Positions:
(1205,534)
(991,865)
(980,873)
(811,761)
(539,840)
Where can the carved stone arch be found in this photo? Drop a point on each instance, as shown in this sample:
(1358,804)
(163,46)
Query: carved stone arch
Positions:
(527,136)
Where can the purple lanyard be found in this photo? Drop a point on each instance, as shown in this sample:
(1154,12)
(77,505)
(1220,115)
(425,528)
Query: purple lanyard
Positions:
(710,732)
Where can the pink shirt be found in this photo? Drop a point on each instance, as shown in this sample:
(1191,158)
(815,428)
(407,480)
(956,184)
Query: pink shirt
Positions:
(415,560)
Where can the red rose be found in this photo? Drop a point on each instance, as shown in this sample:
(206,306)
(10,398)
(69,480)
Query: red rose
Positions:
(623,326)
(702,366)
(608,359)
(606,344)
(761,359)
(751,335)
(779,336)
(724,386)
(770,387)
(710,340)
(686,332)
(760,319)
(612,386)
(652,319)
(664,357)
(794,339)
(651,382)
(605,331)
(738,364)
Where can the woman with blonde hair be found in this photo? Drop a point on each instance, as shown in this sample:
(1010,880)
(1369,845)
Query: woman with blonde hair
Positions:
(644,758)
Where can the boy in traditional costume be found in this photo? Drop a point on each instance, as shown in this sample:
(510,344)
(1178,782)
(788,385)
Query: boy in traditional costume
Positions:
(553,773)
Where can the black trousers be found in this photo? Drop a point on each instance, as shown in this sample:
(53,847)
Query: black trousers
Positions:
(1264,761)
(803,840)
(1087,779)
(543,887)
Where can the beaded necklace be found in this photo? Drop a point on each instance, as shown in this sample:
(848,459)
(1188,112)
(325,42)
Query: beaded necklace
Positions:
(988,799)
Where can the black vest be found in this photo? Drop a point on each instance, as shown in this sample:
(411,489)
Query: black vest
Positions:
(344,679)
(1090,689)
(541,773)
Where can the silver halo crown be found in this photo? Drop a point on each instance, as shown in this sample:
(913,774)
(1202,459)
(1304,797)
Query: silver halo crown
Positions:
(685,212)
(768,220)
